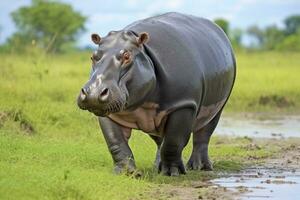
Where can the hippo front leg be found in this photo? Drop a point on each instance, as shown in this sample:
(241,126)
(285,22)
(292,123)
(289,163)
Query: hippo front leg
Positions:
(158,141)
(117,143)
(177,133)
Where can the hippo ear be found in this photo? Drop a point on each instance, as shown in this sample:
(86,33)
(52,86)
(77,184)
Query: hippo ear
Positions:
(96,38)
(143,38)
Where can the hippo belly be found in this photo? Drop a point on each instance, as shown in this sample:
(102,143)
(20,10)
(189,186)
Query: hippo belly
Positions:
(146,118)
(149,119)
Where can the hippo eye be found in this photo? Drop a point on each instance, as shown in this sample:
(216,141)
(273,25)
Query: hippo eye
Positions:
(126,57)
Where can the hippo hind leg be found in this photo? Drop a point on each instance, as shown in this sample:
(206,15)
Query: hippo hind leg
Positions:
(199,159)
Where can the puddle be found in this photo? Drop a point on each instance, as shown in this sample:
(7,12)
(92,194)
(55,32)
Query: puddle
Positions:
(279,179)
(260,126)
(263,183)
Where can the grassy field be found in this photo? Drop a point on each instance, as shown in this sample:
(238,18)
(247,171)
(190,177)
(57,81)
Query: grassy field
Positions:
(266,82)
(49,149)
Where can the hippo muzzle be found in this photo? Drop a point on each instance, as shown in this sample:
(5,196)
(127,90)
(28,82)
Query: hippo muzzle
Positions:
(100,98)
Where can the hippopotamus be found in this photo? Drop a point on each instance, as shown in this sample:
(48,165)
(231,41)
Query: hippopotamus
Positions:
(168,76)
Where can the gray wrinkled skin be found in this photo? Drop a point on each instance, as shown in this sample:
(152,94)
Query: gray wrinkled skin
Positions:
(174,79)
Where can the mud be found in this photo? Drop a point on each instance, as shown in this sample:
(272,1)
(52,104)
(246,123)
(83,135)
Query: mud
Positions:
(275,100)
(263,183)
(276,177)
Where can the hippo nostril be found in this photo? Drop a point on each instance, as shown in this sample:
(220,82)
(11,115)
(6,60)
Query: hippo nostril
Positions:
(104,94)
(83,91)
(83,94)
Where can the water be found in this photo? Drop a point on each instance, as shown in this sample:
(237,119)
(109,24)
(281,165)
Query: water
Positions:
(260,126)
(264,184)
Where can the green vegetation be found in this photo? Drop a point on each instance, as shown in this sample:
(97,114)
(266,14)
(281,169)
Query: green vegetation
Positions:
(274,38)
(49,149)
(292,24)
(268,38)
(49,25)
(266,82)
(224,24)
(74,166)
(291,43)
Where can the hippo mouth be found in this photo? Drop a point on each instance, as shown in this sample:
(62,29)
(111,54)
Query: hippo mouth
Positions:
(105,110)
(117,102)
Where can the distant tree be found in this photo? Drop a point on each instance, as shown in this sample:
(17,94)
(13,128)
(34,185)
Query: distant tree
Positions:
(268,38)
(272,37)
(49,24)
(257,33)
(235,36)
(223,23)
(292,24)
(0,31)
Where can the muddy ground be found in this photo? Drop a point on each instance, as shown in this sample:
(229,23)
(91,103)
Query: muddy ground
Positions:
(259,179)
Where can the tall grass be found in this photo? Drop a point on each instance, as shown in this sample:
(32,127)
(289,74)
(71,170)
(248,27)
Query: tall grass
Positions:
(266,82)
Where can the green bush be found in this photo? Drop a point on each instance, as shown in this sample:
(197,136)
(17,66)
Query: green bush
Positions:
(290,43)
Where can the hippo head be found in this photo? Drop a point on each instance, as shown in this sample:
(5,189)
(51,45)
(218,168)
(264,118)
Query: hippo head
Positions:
(122,74)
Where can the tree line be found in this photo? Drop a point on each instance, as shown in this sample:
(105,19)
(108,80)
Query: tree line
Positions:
(269,38)
(54,27)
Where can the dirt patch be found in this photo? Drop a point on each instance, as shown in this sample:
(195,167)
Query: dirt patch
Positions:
(178,192)
(252,146)
(275,100)
(3,117)
(19,117)
(197,190)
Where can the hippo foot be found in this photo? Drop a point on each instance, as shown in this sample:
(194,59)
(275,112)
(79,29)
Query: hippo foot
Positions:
(126,166)
(195,163)
(171,169)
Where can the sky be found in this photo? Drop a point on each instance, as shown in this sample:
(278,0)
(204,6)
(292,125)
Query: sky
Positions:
(106,15)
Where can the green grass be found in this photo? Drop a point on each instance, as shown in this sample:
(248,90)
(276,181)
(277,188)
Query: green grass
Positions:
(80,167)
(49,149)
(266,82)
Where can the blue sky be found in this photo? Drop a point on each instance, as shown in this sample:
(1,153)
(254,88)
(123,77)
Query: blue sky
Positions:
(107,15)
